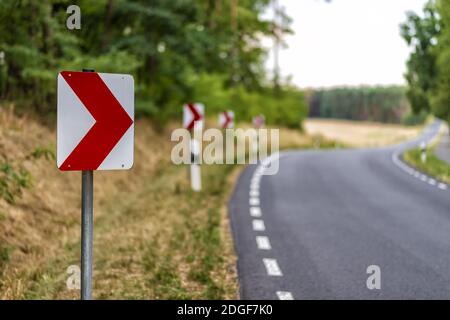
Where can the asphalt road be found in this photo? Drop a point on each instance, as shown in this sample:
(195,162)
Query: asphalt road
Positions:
(311,231)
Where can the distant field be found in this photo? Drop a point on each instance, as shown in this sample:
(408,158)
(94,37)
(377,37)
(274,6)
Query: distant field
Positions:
(360,134)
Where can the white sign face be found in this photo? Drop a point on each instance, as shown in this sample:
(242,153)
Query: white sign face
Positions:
(193,114)
(226,119)
(95,113)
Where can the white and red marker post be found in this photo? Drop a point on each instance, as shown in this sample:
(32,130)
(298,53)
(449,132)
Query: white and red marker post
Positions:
(193,115)
(258,123)
(95,131)
(226,119)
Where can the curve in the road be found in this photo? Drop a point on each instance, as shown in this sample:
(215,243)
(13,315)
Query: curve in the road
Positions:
(313,230)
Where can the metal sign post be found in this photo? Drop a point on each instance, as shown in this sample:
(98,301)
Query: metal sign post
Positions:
(87,232)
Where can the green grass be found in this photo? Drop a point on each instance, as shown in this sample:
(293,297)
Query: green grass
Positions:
(433,166)
(12,181)
(5,253)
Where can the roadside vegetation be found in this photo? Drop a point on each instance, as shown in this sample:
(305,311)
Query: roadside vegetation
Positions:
(386,104)
(154,238)
(427,33)
(177,51)
(433,166)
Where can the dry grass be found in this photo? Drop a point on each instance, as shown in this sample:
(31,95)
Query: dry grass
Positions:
(360,134)
(154,238)
(291,138)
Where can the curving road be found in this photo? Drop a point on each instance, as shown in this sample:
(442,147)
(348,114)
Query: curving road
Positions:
(311,231)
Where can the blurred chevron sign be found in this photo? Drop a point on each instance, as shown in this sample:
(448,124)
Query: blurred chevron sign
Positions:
(193,114)
(226,120)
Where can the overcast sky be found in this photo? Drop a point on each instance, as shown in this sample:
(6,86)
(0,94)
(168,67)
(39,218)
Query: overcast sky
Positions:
(345,42)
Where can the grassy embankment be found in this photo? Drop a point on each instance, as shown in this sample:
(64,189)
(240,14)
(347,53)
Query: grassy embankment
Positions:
(433,165)
(153,237)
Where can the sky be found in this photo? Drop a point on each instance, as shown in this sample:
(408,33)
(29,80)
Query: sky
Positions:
(345,42)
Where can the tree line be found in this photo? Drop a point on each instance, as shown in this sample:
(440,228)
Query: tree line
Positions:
(178,51)
(382,104)
(428,72)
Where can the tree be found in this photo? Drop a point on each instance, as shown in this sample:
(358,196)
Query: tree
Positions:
(421,33)
(440,99)
(169,47)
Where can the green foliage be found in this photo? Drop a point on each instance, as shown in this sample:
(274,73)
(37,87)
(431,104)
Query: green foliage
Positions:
(433,166)
(382,104)
(421,33)
(440,98)
(413,119)
(428,72)
(287,108)
(177,51)
(44,152)
(12,181)
(5,253)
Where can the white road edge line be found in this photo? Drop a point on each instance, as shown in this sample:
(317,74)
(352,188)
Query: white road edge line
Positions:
(272,267)
(285,295)
(417,174)
(263,243)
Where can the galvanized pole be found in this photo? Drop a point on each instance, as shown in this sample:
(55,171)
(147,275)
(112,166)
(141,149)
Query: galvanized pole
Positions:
(87,232)
(87,229)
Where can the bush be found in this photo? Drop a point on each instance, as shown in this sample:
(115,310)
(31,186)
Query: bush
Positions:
(412,119)
(285,109)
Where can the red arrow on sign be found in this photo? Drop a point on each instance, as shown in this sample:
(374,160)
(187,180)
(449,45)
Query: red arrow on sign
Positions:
(228,119)
(111,121)
(196,116)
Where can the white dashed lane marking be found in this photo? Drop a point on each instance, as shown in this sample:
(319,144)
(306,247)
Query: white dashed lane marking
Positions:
(256,179)
(254,193)
(255,212)
(254,201)
(254,186)
(263,243)
(285,295)
(258,225)
(272,267)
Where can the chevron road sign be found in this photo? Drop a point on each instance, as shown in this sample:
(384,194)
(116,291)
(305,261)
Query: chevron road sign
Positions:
(95,121)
